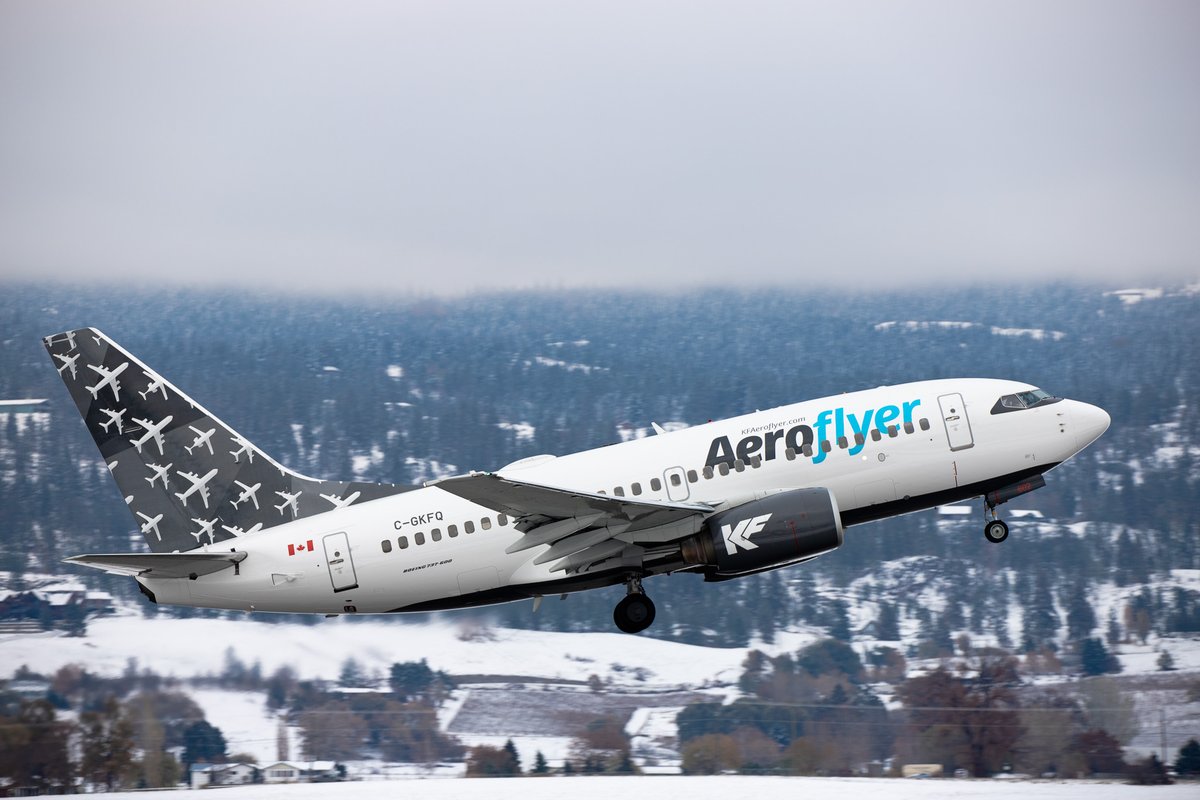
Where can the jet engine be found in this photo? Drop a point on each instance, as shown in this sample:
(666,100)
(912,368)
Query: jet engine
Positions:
(776,531)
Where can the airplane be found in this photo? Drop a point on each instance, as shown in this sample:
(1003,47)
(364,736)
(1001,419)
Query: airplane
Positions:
(151,524)
(248,493)
(235,531)
(722,500)
(341,502)
(206,529)
(160,473)
(153,431)
(114,416)
(108,378)
(243,447)
(68,362)
(289,501)
(197,482)
(156,385)
(202,438)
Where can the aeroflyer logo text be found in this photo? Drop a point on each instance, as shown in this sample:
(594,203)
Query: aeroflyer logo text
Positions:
(844,423)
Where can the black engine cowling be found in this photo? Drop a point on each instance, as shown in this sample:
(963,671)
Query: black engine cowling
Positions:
(765,534)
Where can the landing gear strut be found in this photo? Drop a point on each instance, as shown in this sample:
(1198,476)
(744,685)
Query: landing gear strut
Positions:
(995,530)
(635,612)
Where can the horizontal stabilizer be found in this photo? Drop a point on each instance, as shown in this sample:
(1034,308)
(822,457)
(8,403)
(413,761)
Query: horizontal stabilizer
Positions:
(160,565)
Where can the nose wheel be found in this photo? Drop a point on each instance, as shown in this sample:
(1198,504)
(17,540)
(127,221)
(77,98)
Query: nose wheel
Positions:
(995,530)
(635,612)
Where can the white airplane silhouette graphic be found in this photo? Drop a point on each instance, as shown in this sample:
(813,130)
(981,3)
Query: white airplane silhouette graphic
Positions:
(114,416)
(153,430)
(289,500)
(341,502)
(70,339)
(243,447)
(202,438)
(109,379)
(160,473)
(248,493)
(151,524)
(206,528)
(236,531)
(157,384)
(68,362)
(197,483)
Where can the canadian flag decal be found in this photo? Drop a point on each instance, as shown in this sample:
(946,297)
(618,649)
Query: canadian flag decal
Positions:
(300,548)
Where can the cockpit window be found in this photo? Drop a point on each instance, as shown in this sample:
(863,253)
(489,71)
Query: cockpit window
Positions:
(1023,400)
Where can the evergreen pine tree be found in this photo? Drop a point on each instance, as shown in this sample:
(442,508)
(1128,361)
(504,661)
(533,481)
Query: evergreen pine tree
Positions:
(887,624)
(1096,660)
(1188,762)
(1081,619)
(539,764)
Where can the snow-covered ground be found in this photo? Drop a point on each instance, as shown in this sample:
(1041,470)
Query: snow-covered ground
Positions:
(187,647)
(697,788)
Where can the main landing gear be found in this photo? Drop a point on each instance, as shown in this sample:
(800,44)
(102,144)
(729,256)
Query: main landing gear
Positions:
(995,530)
(635,612)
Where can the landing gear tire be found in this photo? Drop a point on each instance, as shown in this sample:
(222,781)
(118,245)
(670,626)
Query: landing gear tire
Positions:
(634,613)
(995,531)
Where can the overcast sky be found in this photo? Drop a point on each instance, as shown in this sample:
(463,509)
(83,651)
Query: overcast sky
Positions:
(459,146)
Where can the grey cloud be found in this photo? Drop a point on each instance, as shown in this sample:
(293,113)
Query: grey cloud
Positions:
(453,146)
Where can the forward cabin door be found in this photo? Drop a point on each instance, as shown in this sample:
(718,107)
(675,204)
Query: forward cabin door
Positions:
(958,427)
(341,565)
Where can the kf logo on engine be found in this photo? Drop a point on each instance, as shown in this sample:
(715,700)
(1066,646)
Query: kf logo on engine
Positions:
(739,535)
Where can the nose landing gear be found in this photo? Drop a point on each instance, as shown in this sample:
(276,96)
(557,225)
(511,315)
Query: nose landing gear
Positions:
(635,612)
(995,530)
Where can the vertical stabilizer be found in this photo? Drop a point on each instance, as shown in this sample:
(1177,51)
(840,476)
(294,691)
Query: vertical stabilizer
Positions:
(188,478)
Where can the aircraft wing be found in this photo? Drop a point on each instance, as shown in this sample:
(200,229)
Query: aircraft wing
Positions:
(160,565)
(582,529)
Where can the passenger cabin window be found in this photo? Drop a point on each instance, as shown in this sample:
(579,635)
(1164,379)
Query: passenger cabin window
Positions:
(502,520)
(486,523)
(637,488)
(826,446)
(655,485)
(893,431)
(387,546)
(452,531)
(692,476)
(924,424)
(419,537)
(723,468)
(436,534)
(859,440)
(676,480)
(403,542)
(842,442)
(908,427)
(739,465)
(619,491)
(807,450)
(790,454)
(708,473)
(469,526)
(875,435)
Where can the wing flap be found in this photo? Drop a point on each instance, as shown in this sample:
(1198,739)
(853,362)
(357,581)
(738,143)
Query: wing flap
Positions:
(160,565)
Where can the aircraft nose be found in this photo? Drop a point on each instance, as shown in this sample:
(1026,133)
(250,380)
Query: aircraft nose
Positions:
(1090,423)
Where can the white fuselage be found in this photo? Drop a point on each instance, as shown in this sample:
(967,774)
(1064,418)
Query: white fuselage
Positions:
(939,441)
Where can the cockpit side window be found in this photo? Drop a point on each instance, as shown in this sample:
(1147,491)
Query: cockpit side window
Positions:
(1023,400)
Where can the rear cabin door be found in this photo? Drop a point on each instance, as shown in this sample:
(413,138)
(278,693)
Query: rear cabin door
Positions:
(341,565)
(958,427)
